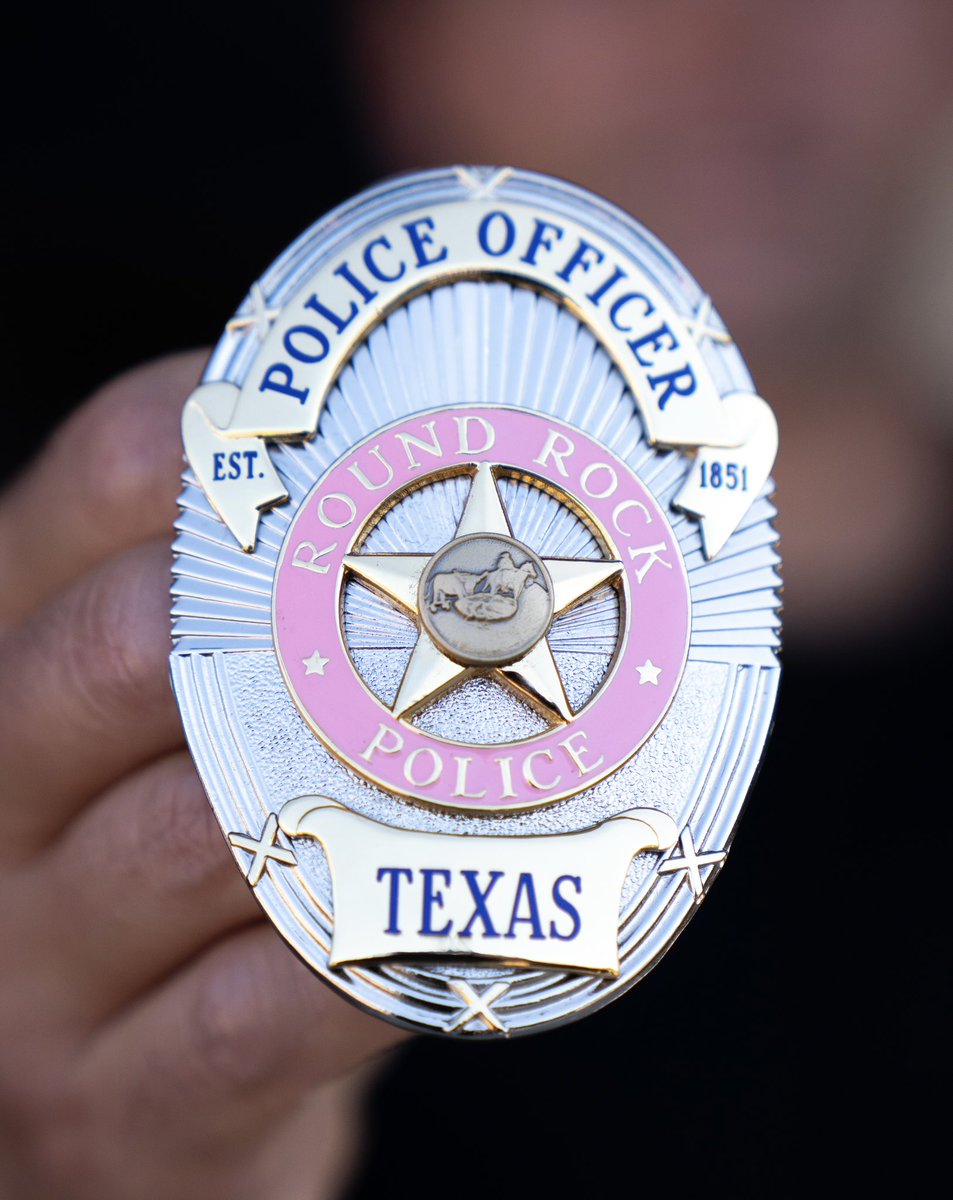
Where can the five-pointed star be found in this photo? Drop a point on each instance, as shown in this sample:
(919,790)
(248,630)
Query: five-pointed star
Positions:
(315,664)
(430,672)
(648,672)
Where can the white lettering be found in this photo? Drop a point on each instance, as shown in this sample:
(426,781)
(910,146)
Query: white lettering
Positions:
(341,498)
(588,474)
(620,508)
(362,479)
(529,772)
(432,447)
(576,753)
(551,450)
(463,426)
(313,555)
(653,558)
(378,742)
(460,790)
(506,773)
(436,767)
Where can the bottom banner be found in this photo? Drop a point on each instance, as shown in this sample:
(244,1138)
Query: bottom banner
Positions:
(548,901)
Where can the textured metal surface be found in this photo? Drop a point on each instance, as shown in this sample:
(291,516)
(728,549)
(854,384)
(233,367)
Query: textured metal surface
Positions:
(476,342)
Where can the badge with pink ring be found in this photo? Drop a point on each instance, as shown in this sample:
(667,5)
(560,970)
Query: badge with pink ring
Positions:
(476,601)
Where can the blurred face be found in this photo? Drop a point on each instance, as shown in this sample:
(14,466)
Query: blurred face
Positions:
(767,142)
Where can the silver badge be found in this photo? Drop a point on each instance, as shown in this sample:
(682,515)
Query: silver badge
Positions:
(476,598)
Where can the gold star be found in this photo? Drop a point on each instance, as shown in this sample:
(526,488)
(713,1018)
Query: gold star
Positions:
(430,672)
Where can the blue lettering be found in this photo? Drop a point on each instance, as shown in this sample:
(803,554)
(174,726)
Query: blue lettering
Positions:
(671,380)
(433,899)
(282,383)
(421,240)
(306,331)
(655,342)
(374,267)
(234,465)
(570,909)
(339,323)
(525,888)
(578,259)
(509,233)
(617,307)
(541,240)
(344,272)
(480,912)
(395,873)
(610,283)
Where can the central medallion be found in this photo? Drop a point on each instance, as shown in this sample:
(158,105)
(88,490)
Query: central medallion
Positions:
(486,600)
(483,565)
(483,602)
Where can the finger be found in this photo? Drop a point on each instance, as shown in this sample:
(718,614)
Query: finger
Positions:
(81,1139)
(245,1032)
(150,882)
(106,481)
(85,695)
(316,1151)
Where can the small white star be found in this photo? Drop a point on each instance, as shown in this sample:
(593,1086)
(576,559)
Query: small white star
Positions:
(648,672)
(315,664)
(700,326)
(261,316)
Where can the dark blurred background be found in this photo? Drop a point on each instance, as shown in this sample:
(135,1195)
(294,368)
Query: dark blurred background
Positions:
(155,161)
(798,157)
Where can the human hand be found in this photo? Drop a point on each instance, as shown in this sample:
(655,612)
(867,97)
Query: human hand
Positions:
(158,1037)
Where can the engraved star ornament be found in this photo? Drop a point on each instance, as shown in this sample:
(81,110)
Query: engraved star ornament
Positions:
(534,677)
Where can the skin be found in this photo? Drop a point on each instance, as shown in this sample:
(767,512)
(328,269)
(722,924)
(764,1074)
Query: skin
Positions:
(156,1029)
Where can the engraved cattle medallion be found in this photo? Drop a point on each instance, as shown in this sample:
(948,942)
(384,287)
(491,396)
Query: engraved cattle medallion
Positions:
(476,598)
(485,600)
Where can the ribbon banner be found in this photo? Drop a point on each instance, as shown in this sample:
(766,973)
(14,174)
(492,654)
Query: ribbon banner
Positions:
(314,335)
(548,901)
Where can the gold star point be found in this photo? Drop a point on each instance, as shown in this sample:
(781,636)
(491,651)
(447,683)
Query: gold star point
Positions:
(431,672)
(395,576)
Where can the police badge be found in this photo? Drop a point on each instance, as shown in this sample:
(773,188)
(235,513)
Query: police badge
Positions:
(476,598)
